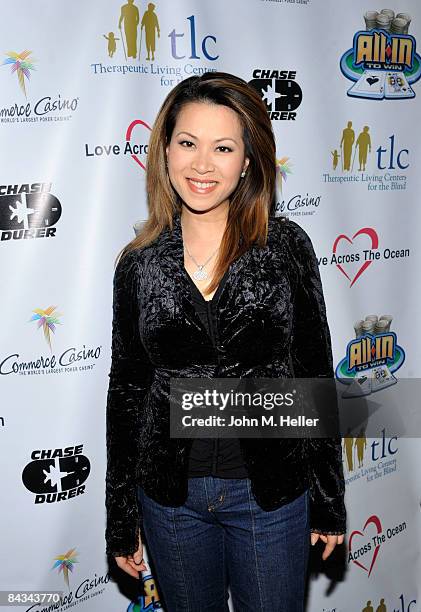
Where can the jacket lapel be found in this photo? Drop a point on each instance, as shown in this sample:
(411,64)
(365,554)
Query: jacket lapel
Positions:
(170,248)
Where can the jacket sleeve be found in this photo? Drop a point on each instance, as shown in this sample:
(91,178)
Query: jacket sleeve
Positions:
(129,380)
(311,354)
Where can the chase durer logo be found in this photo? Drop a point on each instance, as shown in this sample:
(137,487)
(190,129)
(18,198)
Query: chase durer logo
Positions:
(280,92)
(56,475)
(28,211)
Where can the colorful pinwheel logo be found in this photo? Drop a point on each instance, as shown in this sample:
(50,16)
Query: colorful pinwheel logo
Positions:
(64,563)
(283,168)
(47,319)
(20,63)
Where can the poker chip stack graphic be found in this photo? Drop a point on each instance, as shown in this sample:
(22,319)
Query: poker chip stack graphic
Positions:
(388,21)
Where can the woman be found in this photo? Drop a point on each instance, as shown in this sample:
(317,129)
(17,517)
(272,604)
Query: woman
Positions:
(216,286)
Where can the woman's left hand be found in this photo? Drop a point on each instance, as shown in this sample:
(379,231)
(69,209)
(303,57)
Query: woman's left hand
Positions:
(329,540)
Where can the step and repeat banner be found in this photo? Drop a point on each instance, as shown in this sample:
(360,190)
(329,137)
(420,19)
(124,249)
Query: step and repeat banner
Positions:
(80,86)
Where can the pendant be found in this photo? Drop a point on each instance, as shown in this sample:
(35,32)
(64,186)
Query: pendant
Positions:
(200,274)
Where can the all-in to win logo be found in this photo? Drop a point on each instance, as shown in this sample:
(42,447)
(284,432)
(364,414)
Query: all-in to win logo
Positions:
(371,357)
(383,62)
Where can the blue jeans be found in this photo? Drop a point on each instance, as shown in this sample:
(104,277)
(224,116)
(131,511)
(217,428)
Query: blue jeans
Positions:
(221,537)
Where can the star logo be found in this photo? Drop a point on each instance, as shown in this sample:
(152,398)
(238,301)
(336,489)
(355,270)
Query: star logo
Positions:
(21,64)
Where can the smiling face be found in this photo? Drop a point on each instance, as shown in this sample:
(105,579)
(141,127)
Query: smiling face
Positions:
(206,155)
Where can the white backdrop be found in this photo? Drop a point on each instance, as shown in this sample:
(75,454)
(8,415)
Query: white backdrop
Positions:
(75,113)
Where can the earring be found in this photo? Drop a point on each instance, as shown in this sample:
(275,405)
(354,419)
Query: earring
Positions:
(243,174)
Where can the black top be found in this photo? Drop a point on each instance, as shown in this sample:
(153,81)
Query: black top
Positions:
(219,457)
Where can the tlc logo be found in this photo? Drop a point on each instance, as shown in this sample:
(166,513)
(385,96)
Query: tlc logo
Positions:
(403,605)
(388,447)
(204,43)
(391,157)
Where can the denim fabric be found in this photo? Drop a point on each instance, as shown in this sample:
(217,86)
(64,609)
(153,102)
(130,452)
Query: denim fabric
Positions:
(221,537)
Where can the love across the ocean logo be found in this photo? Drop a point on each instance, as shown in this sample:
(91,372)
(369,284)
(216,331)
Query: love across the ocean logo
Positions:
(366,543)
(357,252)
(135,145)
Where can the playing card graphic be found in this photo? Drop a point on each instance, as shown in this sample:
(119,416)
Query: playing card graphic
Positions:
(370,85)
(361,385)
(382,378)
(396,86)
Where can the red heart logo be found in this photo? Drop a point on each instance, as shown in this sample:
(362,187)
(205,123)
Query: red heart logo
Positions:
(376,522)
(372,234)
(129,135)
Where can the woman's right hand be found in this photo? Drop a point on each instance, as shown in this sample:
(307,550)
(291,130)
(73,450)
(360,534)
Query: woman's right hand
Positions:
(133,564)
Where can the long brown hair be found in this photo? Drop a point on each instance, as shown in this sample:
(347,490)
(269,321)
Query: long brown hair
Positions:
(253,199)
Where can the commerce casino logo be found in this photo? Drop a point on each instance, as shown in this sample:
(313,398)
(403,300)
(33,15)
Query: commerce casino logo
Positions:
(46,319)
(44,109)
(28,211)
(80,588)
(279,91)
(21,65)
(298,204)
(56,475)
(372,357)
(383,62)
(68,360)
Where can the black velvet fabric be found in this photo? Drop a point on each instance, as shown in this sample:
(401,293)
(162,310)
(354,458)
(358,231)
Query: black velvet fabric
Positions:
(271,323)
(220,457)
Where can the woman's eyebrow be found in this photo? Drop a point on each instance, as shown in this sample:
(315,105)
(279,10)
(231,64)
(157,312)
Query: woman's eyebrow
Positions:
(195,137)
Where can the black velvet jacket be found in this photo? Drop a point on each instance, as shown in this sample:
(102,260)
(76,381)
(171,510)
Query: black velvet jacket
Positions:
(271,323)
